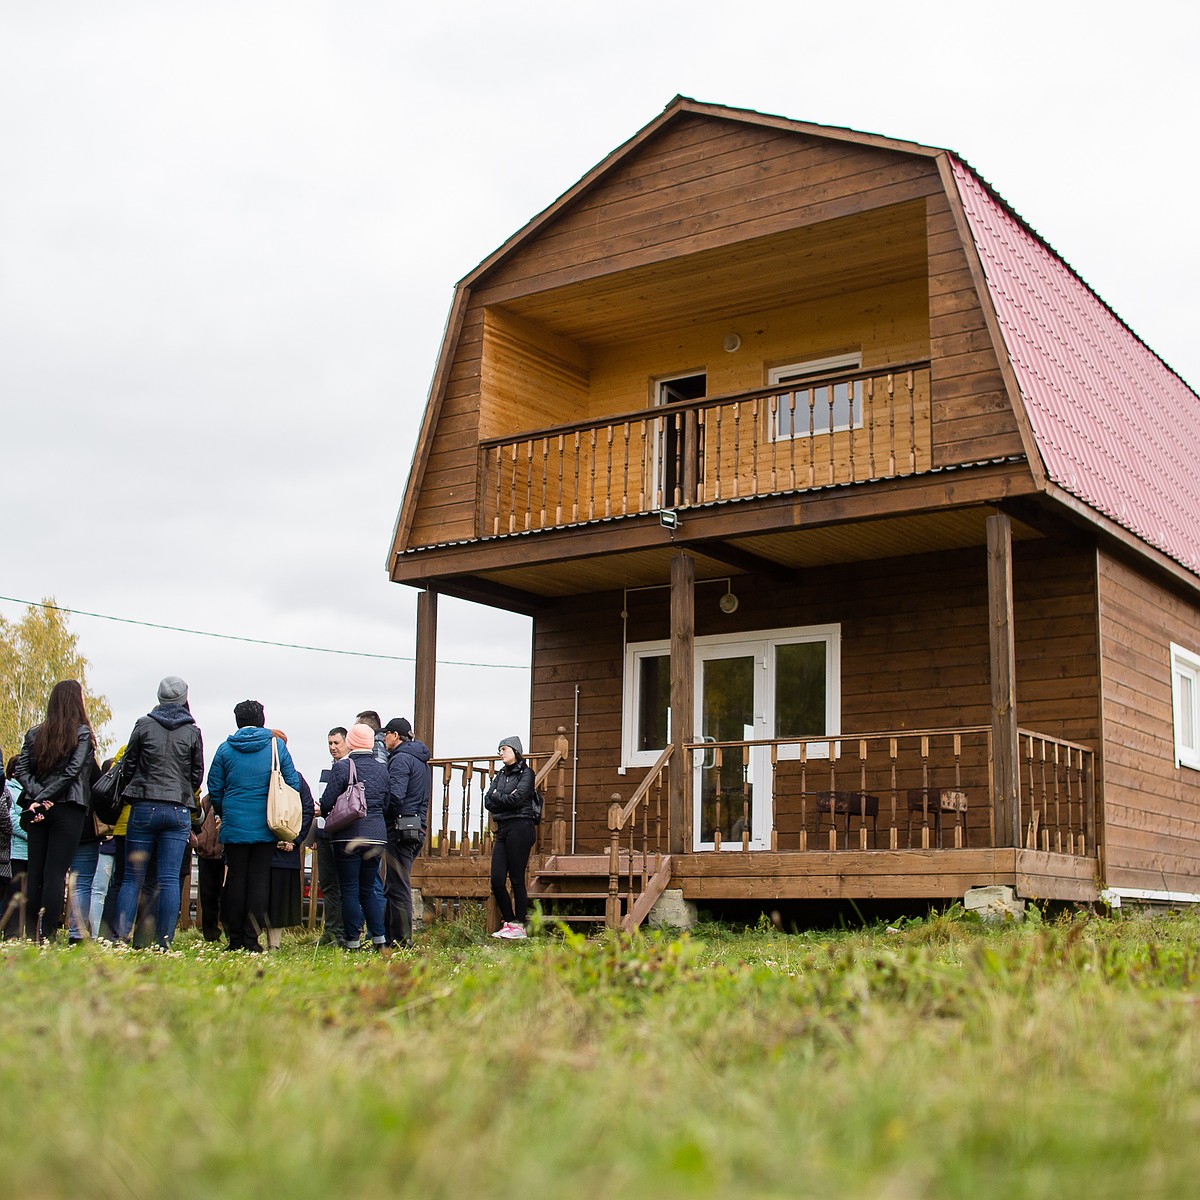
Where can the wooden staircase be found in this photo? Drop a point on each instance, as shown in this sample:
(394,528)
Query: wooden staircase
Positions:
(577,888)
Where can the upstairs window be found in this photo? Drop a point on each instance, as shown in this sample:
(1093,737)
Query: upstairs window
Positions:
(811,410)
(1185,703)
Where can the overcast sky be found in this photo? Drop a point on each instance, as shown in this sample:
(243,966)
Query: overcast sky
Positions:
(229,234)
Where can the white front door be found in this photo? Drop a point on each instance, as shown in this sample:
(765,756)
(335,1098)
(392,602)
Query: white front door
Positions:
(730,784)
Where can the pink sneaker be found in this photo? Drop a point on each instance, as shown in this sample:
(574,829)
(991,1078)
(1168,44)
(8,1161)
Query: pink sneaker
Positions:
(513,932)
(503,931)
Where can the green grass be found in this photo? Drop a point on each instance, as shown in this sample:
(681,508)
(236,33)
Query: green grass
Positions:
(937,1059)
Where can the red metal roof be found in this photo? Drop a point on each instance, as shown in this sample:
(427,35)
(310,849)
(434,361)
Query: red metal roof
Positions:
(1115,426)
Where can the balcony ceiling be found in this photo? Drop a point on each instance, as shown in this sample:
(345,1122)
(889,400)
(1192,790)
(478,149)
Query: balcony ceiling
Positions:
(795,550)
(869,249)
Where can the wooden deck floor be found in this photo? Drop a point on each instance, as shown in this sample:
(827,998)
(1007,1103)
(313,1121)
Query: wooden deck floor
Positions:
(816,874)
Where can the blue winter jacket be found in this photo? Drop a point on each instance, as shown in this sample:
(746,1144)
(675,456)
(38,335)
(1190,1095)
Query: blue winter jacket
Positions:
(408,773)
(237,784)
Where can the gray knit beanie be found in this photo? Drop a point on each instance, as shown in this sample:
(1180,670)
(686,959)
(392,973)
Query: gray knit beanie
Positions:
(172,690)
(515,743)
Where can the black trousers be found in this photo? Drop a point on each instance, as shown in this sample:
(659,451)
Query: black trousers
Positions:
(52,844)
(247,892)
(210,877)
(397,889)
(510,857)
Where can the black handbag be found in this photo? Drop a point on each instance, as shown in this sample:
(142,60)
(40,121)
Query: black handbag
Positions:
(408,830)
(106,795)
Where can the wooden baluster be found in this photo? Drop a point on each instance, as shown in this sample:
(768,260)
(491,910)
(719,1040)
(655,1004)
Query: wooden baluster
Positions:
(718,757)
(466,812)
(608,475)
(1030,836)
(737,448)
(1071,801)
(592,476)
(578,456)
(512,499)
(803,795)
(829,391)
(443,840)
(960,817)
(745,796)
(835,748)
(1058,837)
(851,395)
(702,448)
(869,417)
(642,474)
(893,835)
(612,907)
(754,447)
(924,793)
(811,394)
(645,843)
(774,794)
(1045,801)
(625,475)
(558,842)
(545,476)
(658,795)
(792,441)
(558,503)
(528,485)
(891,401)
(773,418)
(499,504)
(862,795)
(677,494)
(717,474)
(912,425)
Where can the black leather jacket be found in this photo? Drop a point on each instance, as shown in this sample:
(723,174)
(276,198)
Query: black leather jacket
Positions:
(510,798)
(164,760)
(70,781)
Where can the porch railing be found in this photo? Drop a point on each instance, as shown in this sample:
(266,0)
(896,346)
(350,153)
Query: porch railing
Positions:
(885,789)
(460,785)
(838,428)
(644,819)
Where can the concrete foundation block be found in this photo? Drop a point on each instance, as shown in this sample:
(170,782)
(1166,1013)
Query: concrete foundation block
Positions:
(673,911)
(418,903)
(994,903)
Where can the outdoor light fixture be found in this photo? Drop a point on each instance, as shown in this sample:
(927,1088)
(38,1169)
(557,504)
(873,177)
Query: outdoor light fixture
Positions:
(668,518)
(729,601)
(732,343)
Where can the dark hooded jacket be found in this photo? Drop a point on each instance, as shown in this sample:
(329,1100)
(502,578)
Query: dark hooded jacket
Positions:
(164,759)
(510,797)
(408,777)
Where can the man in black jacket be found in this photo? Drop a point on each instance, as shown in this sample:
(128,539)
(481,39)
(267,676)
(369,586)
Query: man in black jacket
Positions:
(408,793)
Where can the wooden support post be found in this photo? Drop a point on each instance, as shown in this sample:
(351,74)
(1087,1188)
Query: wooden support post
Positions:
(612,907)
(683,699)
(426,666)
(1005,748)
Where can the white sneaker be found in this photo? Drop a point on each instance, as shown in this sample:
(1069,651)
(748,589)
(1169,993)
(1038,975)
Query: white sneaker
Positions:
(513,932)
(503,931)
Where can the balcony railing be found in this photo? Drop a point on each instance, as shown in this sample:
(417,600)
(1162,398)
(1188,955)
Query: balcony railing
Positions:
(839,428)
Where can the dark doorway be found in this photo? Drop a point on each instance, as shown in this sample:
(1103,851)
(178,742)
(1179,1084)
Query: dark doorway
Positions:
(672,391)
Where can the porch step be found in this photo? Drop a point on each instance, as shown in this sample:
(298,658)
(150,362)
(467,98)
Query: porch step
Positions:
(540,894)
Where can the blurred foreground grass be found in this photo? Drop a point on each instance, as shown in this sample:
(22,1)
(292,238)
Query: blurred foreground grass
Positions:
(936,1059)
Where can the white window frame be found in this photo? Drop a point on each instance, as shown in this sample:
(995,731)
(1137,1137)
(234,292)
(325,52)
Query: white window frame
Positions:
(763,643)
(794,372)
(1185,670)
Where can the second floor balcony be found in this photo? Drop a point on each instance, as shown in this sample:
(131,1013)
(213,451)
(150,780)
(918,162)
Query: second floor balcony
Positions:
(822,431)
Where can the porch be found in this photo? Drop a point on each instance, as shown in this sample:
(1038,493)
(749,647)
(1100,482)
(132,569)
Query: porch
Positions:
(880,815)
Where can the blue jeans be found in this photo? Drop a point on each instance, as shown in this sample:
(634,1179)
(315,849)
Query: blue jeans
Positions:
(151,825)
(100,881)
(79,879)
(362,892)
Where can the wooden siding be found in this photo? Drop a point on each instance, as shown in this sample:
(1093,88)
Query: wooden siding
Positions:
(914,655)
(1151,807)
(973,416)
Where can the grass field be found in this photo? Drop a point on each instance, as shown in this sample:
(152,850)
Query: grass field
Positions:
(939,1058)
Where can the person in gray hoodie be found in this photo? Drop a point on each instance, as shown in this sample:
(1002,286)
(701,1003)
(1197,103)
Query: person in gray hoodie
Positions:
(161,772)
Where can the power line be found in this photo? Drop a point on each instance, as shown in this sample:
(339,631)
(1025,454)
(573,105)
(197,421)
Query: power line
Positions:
(233,637)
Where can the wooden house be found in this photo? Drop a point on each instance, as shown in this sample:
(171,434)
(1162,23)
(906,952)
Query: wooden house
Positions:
(859,536)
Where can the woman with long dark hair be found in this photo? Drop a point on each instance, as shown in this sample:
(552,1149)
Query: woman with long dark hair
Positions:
(55,770)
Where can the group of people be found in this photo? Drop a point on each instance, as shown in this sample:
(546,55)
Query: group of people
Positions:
(249,879)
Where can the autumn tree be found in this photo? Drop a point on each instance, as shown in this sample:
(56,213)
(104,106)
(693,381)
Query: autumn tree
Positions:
(35,653)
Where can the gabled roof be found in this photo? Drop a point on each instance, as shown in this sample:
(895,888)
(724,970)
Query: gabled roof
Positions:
(1114,425)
